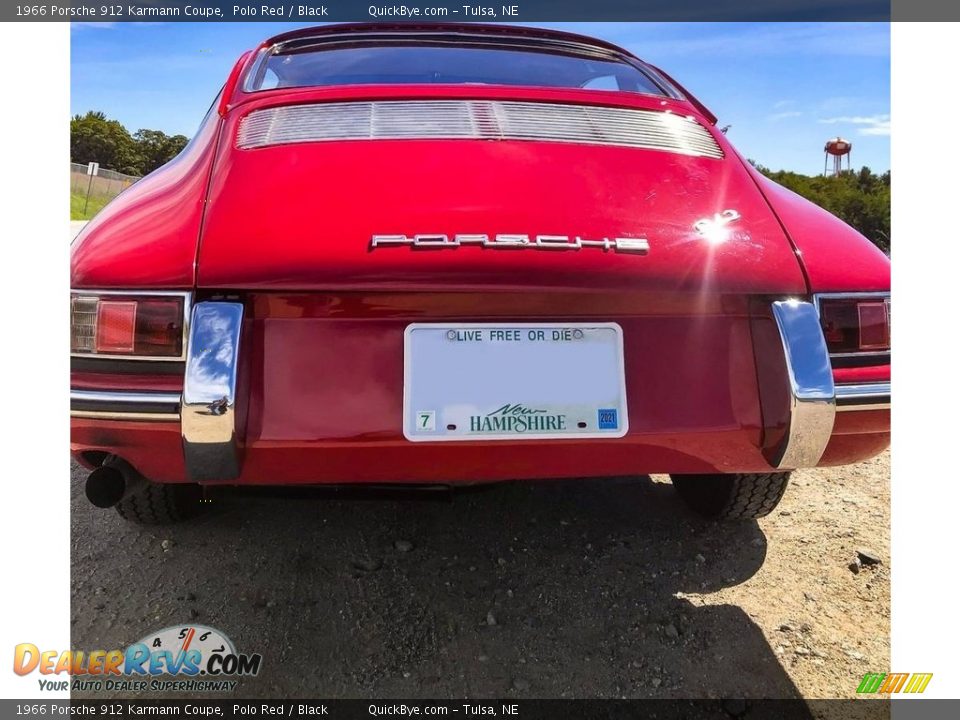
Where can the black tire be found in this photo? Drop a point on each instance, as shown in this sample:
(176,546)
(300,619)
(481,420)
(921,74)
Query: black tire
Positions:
(160,503)
(744,496)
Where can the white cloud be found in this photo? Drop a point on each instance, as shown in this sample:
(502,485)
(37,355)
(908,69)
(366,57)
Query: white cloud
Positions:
(882,129)
(784,115)
(867,124)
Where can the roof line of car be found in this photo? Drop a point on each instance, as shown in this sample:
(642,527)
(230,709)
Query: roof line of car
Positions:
(488,30)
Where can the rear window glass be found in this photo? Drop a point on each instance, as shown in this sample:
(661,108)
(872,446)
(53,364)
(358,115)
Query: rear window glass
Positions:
(423,64)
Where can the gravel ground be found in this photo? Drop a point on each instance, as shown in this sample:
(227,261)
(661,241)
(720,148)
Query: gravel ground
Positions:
(587,588)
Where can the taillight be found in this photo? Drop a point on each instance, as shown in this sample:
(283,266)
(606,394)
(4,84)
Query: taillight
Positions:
(856,324)
(127,325)
(116,326)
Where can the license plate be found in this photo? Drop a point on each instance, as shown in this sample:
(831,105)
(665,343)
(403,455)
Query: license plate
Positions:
(512,381)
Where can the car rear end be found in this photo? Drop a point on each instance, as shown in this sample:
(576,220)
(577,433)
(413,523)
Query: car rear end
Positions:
(445,279)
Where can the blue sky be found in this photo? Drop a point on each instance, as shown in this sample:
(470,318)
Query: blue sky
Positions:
(784,87)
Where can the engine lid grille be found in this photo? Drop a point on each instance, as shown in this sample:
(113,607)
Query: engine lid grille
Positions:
(477,120)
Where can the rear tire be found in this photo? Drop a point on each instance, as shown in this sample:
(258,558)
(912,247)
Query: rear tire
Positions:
(743,496)
(160,503)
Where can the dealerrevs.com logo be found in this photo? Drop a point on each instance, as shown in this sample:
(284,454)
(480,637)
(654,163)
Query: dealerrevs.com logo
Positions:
(181,658)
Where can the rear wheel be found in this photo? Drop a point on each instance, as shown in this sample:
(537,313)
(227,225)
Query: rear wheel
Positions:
(743,496)
(160,503)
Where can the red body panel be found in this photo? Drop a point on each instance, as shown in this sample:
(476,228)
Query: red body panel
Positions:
(857,436)
(130,382)
(318,207)
(836,258)
(871,373)
(147,236)
(287,231)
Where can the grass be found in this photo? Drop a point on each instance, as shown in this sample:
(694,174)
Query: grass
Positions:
(95,205)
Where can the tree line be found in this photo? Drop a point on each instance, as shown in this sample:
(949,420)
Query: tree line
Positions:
(94,138)
(859,198)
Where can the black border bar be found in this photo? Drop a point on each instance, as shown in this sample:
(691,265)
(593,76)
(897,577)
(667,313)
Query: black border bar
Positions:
(861,708)
(472,10)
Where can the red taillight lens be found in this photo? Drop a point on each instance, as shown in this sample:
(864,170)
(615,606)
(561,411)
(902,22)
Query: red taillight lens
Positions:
(149,326)
(116,326)
(855,325)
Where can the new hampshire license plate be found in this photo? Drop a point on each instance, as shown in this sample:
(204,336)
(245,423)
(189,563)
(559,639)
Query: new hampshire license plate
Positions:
(477,381)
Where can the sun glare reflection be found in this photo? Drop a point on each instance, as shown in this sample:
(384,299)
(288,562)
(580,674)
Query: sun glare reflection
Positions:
(714,230)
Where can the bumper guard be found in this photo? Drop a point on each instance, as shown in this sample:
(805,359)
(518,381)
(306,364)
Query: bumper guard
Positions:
(208,411)
(812,399)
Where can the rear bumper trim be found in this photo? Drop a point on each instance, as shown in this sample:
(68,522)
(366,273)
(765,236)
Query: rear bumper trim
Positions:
(863,396)
(118,405)
(812,393)
(209,407)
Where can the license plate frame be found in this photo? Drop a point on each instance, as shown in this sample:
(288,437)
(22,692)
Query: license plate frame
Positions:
(597,340)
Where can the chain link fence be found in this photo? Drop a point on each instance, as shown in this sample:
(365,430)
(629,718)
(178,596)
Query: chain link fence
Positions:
(90,193)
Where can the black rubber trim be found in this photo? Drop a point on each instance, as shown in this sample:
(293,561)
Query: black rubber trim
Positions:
(127,367)
(865,402)
(865,360)
(123,407)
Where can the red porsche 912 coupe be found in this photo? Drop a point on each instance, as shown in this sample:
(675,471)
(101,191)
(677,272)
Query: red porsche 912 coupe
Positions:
(467,253)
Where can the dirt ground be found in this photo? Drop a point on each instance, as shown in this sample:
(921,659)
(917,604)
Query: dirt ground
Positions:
(586,589)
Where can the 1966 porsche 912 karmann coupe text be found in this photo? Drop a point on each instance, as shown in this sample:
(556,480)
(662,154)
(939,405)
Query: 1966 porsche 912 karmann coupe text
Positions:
(467,253)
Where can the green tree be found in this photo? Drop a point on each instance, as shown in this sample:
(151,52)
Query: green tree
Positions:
(157,148)
(94,138)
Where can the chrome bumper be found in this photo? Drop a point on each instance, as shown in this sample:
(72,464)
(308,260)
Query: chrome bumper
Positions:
(812,401)
(113,405)
(865,396)
(208,409)
(814,398)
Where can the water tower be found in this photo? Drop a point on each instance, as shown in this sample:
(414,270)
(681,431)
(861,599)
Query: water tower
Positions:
(836,148)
